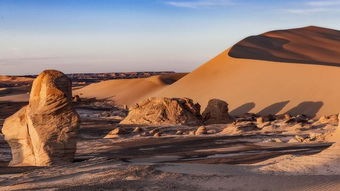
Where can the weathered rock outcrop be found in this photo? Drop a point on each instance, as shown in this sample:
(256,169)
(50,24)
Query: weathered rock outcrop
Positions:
(164,111)
(45,131)
(216,112)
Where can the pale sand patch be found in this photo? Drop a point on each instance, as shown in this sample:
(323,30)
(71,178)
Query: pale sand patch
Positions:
(327,162)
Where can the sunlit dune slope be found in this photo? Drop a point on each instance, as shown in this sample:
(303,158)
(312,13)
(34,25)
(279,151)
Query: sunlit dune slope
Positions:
(268,87)
(127,91)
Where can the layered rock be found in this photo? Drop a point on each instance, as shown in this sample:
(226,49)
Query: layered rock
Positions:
(164,111)
(216,112)
(45,131)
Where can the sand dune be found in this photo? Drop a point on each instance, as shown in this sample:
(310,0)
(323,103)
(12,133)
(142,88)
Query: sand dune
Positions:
(268,87)
(127,91)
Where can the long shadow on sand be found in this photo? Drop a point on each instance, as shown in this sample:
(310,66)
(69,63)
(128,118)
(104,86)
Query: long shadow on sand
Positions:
(245,108)
(309,108)
(273,109)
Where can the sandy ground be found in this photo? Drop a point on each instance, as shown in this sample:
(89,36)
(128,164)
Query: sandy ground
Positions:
(15,98)
(109,175)
(19,93)
(229,157)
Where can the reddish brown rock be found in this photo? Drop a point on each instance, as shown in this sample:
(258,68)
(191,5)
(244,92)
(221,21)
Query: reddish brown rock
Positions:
(216,112)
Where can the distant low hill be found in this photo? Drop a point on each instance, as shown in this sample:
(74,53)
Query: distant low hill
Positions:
(128,91)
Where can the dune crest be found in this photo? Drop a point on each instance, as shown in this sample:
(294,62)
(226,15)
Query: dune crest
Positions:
(310,45)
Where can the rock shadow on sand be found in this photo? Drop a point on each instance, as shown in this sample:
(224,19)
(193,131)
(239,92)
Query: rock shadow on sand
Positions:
(245,108)
(308,108)
(273,109)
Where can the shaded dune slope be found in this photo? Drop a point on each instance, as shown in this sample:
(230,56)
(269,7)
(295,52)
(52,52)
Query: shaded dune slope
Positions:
(127,91)
(270,87)
(312,45)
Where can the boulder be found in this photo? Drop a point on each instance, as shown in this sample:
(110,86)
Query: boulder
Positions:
(138,130)
(216,112)
(154,131)
(116,132)
(158,134)
(201,130)
(45,131)
(76,99)
(164,111)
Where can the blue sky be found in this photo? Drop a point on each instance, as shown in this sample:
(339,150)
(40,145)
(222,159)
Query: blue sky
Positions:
(140,35)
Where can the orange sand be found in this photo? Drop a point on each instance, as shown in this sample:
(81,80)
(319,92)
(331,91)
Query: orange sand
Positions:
(127,91)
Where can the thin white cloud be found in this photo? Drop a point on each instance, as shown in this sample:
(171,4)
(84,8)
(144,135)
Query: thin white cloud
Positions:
(313,7)
(323,3)
(200,3)
(307,10)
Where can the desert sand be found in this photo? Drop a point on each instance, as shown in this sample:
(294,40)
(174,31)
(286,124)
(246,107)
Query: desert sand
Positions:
(15,88)
(291,71)
(268,87)
(14,79)
(127,91)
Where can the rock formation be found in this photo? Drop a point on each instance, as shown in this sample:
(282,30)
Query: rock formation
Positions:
(216,112)
(45,131)
(164,111)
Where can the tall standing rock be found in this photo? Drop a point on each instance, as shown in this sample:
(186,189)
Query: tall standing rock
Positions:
(45,131)
(216,112)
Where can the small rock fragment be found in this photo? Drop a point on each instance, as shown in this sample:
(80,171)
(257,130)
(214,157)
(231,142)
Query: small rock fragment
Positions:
(158,134)
(201,130)
(154,131)
(211,131)
(138,130)
(259,120)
